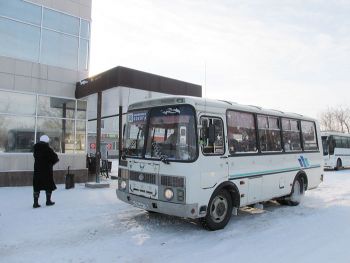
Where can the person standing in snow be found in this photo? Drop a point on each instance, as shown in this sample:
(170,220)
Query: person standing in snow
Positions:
(44,160)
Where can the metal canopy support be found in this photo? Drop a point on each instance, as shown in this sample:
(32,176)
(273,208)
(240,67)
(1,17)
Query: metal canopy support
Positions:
(120,137)
(98,135)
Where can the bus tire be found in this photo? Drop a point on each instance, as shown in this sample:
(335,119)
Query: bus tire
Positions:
(298,191)
(219,211)
(339,165)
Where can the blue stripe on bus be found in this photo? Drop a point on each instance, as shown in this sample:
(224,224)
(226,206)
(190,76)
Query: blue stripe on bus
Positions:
(234,176)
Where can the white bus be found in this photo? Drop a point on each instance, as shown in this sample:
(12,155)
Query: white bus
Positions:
(336,149)
(222,156)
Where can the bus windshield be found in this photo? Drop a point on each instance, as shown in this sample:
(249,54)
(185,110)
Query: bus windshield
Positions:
(170,131)
(134,136)
(325,145)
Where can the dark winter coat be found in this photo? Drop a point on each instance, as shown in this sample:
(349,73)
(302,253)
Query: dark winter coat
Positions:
(44,159)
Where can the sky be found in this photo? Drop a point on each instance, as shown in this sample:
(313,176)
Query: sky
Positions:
(291,55)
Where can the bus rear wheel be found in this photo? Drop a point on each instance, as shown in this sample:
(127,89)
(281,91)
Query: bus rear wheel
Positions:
(219,211)
(298,191)
(339,165)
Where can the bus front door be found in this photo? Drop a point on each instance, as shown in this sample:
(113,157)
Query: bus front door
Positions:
(214,163)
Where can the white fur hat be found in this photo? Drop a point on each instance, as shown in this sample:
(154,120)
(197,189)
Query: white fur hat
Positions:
(44,138)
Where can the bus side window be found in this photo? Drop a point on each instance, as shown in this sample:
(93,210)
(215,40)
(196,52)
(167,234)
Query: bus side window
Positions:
(241,132)
(212,134)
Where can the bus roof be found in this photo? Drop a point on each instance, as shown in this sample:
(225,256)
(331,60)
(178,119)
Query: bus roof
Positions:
(212,106)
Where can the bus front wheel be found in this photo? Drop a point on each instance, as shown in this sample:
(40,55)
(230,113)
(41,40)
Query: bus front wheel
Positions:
(219,211)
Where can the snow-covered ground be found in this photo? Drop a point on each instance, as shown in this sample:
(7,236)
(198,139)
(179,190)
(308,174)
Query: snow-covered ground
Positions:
(92,225)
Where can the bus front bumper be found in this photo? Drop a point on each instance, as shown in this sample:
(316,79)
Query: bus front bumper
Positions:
(168,208)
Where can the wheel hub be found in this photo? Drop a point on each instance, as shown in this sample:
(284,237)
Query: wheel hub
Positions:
(219,209)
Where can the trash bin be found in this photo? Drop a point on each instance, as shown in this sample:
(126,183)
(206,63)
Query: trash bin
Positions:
(69,180)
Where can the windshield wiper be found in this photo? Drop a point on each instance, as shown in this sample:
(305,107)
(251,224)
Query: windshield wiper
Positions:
(164,159)
(126,150)
(158,152)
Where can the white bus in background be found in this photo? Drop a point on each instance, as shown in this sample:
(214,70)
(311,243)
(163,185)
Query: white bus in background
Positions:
(336,149)
(197,158)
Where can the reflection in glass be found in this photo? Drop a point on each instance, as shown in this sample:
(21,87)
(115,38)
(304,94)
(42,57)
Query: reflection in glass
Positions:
(60,22)
(21,10)
(84,54)
(59,49)
(81,109)
(80,137)
(19,40)
(17,103)
(16,133)
(56,107)
(60,132)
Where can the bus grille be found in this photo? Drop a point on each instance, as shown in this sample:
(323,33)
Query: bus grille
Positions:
(173,181)
(143,177)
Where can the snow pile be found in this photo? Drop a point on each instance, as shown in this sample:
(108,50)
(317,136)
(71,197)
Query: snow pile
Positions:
(92,225)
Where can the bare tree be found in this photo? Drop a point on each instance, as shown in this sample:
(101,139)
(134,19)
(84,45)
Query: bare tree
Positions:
(335,119)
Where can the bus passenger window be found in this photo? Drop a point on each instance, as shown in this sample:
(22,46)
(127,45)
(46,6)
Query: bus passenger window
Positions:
(291,135)
(269,134)
(241,132)
(309,136)
(212,136)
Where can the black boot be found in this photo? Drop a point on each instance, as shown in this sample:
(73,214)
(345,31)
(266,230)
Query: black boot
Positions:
(48,199)
(36,199)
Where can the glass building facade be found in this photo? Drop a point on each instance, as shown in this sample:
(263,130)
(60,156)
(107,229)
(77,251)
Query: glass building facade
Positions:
(22,123)
(44,52)
(43,35)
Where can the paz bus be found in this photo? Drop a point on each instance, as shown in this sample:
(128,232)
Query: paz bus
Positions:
(222,156)
(336,149)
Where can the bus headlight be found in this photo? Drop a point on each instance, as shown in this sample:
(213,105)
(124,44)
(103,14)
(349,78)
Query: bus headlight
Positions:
(168,194)
(123,185)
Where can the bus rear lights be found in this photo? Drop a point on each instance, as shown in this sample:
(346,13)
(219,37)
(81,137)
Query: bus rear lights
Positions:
(123,185)
(168,194)
(321,177)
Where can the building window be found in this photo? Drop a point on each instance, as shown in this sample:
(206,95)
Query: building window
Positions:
(16,133)
(64,39)
(84,54)
(60,132)
(19,40)
(81,109)
(21,10)
(59,49)
(85,29)
(17,103)
(60,22)
(56,107)
(63,120)
(80,145)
